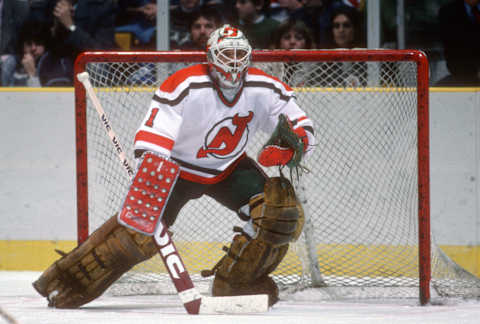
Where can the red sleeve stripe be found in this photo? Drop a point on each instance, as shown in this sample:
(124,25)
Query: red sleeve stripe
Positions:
(301,118)
(295,122)
(155,139)
(306,128)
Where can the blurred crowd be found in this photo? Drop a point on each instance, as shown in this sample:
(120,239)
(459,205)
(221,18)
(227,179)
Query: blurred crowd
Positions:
(40,39)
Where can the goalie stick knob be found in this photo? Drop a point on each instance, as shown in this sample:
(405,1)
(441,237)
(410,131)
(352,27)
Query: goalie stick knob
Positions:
(82,77)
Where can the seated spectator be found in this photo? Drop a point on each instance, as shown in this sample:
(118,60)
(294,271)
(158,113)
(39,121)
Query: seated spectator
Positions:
(41,65)
(460,33)
(79,26)
(180,16)
(293,35)
(138,17)
(346,30)
(202,24)
(13,14)
(254,24)
(346,33)
(317,15)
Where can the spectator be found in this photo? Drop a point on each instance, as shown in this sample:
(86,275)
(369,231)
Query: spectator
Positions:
(346,30)
(78,26)
(180,16)
(138,17)
(294,35)
(42,66)
(460,33)
(346,33)
(13,14)
(254,24)
(317,15)
(203,23)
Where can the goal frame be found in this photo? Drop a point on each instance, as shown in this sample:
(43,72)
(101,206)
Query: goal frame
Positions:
(356,55)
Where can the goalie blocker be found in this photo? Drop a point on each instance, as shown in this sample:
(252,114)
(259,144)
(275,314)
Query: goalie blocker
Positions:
(86,272)
(149,192)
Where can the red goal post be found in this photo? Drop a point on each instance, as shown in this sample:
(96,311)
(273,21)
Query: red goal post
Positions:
(103,62)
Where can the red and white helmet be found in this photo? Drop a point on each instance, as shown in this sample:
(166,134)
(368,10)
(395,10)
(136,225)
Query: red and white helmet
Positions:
(229,55)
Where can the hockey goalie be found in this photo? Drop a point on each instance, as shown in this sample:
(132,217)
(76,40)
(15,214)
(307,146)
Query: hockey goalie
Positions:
(192,143)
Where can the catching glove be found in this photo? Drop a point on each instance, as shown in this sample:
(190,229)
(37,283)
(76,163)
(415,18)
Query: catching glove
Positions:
(286,146)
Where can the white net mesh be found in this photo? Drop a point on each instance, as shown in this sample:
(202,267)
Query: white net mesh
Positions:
(361,236)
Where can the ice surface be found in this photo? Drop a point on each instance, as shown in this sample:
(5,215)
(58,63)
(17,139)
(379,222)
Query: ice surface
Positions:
(20,301)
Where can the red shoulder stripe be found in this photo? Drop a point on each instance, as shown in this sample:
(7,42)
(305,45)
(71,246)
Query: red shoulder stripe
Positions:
(256,71)
(178,77)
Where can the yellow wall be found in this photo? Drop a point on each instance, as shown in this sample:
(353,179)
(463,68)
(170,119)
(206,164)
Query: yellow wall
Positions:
(466,256)
(31,255)
(38,255)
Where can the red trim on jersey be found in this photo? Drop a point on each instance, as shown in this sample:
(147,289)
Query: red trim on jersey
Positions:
(255,71)
(159,140)
(300,131)
(200,179)
(301,118)
(222,97)
(181,75)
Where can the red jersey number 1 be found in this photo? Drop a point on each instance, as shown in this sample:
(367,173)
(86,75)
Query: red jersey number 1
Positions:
(150,120)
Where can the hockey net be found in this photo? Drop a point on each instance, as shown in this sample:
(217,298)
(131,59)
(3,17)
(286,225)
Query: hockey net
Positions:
(366,198)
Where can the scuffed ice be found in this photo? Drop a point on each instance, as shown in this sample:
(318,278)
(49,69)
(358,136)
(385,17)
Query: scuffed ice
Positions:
(313,305)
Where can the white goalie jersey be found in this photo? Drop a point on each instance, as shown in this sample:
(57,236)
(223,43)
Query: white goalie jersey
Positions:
(190,120)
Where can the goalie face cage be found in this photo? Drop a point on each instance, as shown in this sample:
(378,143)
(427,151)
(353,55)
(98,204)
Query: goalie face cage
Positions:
(367,212)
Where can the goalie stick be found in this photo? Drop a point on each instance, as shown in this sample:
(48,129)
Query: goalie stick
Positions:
(7,317)
(192,300)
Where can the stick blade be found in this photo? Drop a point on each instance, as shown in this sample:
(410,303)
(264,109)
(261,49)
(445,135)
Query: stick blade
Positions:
(234,304)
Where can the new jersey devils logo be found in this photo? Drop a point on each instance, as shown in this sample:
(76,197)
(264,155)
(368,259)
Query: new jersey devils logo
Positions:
(222,142)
